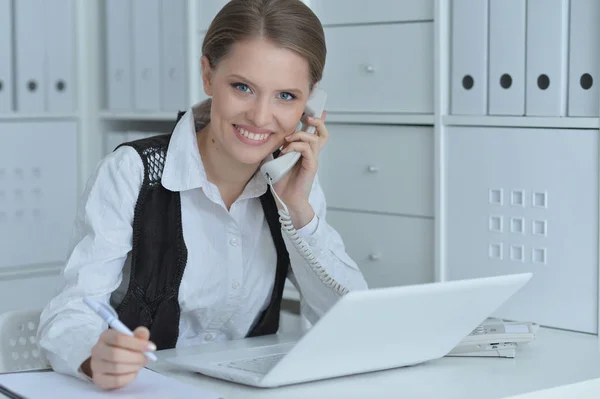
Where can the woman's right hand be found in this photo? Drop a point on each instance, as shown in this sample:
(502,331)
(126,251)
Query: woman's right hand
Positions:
(117,358)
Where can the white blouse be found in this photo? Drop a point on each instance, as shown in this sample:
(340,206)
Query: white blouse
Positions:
(231,262)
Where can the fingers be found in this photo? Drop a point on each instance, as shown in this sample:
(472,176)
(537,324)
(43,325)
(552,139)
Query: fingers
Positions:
(107,381)
(117,358)
(135,343)
(300,135)
(113,368)
(319,123)
(317,140)
(309,159)
(115,354)
(111,374)
(142,333)
(309,138)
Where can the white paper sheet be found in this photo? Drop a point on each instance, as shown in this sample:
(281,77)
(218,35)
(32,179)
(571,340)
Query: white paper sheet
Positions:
(147,385)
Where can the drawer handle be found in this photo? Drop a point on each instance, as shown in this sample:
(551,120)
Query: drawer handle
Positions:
(372,169)
(374,256)
(370,68)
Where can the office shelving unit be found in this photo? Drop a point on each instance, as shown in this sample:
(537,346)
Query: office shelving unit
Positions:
(544,171)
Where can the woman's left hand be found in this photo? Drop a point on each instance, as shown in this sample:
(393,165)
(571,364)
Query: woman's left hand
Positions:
(294,188)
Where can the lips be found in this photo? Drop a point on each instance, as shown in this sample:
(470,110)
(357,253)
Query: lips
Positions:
(254,138)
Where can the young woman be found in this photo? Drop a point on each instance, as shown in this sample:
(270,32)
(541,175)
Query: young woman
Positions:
(180,234)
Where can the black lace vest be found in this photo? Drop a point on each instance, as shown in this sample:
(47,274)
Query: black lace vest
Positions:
(159,254)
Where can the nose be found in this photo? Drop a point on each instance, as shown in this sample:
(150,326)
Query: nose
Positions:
(261,112)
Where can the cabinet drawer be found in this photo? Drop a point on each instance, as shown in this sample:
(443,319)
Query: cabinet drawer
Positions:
(333,12)
(380,68)
(379,168)
(390,250)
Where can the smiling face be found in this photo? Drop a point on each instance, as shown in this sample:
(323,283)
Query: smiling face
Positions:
(259,92)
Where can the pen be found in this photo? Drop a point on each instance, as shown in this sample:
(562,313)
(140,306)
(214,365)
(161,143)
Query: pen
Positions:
(9,393)
(109,315)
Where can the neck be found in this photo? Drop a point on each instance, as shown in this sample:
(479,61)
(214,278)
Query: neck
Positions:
(223,171)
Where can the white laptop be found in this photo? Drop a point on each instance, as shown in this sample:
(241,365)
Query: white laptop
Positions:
(366,331)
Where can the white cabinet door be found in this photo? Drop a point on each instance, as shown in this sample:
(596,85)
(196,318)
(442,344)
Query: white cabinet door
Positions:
(526,200)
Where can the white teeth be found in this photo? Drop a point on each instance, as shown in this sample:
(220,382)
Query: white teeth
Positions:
(252,136)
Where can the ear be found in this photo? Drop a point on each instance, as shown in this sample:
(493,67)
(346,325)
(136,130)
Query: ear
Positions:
(207,73)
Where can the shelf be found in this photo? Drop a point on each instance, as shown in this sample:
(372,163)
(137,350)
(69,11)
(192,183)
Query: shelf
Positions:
(361,117)
(139,116)
(27,271)
(523,121)
(18,116)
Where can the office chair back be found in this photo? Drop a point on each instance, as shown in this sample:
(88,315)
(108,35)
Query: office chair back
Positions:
(19,349)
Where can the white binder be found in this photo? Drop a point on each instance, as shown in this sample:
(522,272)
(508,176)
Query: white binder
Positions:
(173,77)
(6,71)
(506,57)
(469,57)
(29,55)
(118,55)
(584,59)
(546,74)
(146,45)
(60,42)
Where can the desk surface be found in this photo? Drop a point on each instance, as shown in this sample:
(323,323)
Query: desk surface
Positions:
(555,358)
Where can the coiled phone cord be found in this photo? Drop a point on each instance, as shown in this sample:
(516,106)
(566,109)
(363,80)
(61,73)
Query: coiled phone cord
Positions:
(298,242)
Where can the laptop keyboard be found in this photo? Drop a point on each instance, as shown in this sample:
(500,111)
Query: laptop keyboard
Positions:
(258,365)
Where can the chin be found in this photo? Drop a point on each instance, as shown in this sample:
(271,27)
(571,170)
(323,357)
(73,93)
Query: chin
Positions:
(250,157)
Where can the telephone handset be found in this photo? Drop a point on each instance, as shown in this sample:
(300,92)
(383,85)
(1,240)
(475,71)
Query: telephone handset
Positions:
(274,170)
(277,168)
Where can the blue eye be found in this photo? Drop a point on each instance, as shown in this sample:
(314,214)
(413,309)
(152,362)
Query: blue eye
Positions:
(287,96)
(242,87)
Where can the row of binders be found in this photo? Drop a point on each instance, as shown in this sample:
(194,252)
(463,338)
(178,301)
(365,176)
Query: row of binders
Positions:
(525,57)
(146,55)
(37,56)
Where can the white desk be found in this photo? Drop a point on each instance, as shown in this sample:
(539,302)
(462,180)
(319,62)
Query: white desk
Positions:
(555,358)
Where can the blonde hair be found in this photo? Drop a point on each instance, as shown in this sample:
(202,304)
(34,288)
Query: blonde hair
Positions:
(290,24)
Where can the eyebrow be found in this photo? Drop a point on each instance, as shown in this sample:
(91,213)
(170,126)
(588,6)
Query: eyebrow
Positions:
(244,79)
